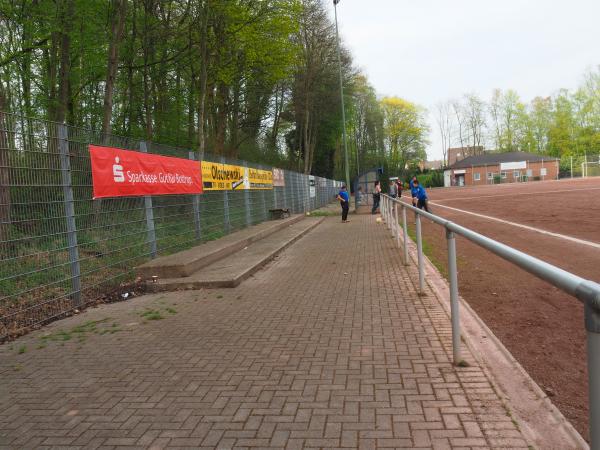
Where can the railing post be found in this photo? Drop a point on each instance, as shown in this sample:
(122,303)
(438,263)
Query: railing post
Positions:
(592,326)
(420,255)
(150,233)
(226,221)
(247,205)
(405,235)
(397,224)
(196,206)
(65,169)
(454,311)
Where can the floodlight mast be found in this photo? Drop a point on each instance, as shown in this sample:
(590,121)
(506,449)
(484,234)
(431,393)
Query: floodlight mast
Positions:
(346,163)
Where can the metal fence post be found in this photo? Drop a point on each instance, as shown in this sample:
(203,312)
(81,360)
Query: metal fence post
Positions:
(264,204)
(420,255)
(227,222)
(306,193)
(196,207)
(298,196)
(592,326)
(405,235)
(151,232)
(454,311)
(247,206)
(65,166)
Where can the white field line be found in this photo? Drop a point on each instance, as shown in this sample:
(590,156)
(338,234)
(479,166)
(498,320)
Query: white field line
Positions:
(517,193)
(526,227)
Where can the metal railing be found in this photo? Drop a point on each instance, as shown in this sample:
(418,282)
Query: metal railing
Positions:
(60,250)
(587,291)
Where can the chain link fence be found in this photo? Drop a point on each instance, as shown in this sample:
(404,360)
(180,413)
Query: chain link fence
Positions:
(61,250)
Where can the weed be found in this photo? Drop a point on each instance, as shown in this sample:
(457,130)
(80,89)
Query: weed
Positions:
(324,213)
(463,363)
(171,310)
(22,349)
(219,296)
(428,251)
(80,332)
(17,367)
(151,314)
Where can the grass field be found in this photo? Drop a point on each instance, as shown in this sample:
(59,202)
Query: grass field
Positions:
(556,221)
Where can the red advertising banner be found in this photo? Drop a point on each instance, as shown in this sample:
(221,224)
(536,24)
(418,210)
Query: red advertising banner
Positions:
(123,173)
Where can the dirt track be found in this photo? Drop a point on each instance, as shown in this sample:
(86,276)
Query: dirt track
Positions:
(541,326)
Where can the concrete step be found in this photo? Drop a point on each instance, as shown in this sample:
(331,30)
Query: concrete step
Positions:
(185,263)
(232,270)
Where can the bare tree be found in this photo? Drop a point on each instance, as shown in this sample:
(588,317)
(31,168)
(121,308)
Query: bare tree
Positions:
(459,114)
(445,126)
(474,109)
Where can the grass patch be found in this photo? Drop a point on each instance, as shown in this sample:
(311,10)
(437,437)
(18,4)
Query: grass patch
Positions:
(428,251)
(324,213)
(22,349)
(152,314)
(80,332)
(171,311)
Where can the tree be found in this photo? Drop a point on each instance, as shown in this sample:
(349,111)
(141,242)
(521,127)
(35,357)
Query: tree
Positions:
(474,111)
(445,125)
(405,132)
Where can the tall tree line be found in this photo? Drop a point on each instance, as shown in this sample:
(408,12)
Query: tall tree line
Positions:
(251,79)
(564,124)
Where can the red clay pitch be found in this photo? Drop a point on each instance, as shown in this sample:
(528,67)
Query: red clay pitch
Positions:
(542,327)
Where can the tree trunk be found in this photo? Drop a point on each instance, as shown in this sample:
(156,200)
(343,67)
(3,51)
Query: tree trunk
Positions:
(118,22)
(65,59)
(202,81)
(222,96)
(306,141)
(4,171)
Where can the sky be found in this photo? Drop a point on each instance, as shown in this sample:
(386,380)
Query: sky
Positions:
(428,51)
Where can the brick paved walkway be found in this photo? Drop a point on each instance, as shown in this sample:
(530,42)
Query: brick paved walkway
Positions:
(329,347)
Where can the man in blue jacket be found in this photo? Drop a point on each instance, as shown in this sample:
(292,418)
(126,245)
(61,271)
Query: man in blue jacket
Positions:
(413,190)
(344,199)
(420,194)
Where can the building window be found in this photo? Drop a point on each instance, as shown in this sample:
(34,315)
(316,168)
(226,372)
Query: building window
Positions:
(517,174)
(543,172)
(476,176)
(490,175)
(503,174)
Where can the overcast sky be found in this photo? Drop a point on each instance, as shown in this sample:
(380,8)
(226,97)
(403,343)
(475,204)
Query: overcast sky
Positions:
(432,50)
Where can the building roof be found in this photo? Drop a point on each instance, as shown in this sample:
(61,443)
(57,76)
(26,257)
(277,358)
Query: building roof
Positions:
(490,159)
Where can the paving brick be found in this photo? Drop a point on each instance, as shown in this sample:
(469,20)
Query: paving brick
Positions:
(327,347)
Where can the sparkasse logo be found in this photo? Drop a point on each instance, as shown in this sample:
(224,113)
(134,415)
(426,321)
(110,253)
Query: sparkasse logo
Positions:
(118,174)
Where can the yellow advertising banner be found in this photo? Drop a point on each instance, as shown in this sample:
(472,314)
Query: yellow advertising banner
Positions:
(227,177)
(260,179)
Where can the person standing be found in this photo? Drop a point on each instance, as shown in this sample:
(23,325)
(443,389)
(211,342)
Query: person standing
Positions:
(376,197)
(413,190)
(421,196)
(393,190)
(344,199)
(399,187)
